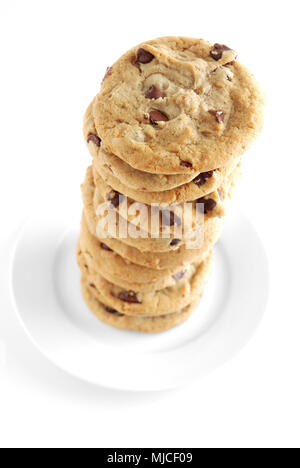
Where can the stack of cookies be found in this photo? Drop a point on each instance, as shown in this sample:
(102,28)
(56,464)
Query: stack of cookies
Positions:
(166,134)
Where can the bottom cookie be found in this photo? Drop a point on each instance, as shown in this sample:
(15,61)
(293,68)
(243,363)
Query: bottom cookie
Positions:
(141,324)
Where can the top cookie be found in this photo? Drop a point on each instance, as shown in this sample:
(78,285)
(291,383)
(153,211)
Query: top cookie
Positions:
(175,104)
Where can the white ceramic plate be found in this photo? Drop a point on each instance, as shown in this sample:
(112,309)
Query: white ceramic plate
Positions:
(45,284)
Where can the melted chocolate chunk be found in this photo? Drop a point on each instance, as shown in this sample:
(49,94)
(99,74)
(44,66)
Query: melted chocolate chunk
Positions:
(95,139)
(204,205)
(178,276)
(143,56)
(113,311)
(202,178)
(105,247)
(115,198)
(91,285)
(157,116)
(175,242)
(169,218)
(129,296)
(186,164)
(217,52)
(219,115)
(154,93)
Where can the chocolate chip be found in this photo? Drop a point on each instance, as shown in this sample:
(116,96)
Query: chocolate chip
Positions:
(115,198)
(179,276)
(92,285)
(186,164)
(105,247)
(143,56)
(169,218)
(218,114)
(129,296)
(154,93)
(95,139)
(202,178)
(85,266)
(157,116)
(107,73)
(206,204)
(113,311)
(217,52)
(175,242)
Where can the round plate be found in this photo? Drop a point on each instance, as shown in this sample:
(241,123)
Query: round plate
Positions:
(45,284)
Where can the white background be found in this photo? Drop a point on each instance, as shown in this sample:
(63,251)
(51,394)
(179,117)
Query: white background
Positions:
(53,57)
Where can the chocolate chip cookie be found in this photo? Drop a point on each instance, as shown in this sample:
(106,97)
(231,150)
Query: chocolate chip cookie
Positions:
(155,303)
(178,105)
(203,184)
(115,319)
(122,272)
(175,215)
(99,228)
(162,260)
